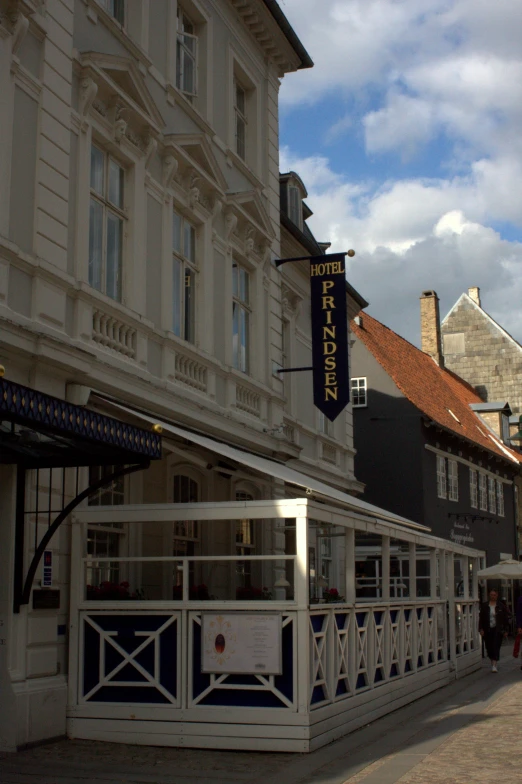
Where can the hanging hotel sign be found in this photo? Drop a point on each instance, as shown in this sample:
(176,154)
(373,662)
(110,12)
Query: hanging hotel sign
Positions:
(329,334)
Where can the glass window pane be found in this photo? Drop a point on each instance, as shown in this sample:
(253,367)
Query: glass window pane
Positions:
(177,269)
(240,136)
(115,184)
(244,340)
(243,286)
(190,296)
(235,335)
(95,244)
(189,242)
(97,166)
(189,71)
(176,232)
(114,247)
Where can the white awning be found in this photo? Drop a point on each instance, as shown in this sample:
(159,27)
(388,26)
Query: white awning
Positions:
(276,470)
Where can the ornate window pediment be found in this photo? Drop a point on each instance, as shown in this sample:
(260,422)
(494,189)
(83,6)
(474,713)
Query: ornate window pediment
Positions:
(249,206)
(116,89)
(193,151)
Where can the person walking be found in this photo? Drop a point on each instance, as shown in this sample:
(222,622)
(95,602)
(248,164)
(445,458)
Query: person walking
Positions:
(493,626)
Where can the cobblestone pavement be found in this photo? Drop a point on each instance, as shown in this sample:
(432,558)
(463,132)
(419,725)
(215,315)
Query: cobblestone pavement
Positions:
(469,732)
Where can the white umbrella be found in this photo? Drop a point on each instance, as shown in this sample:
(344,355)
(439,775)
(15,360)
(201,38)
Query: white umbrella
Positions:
(504,570)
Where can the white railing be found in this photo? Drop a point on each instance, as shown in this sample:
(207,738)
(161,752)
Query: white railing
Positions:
(357,648)
(248,401)
(190,372)
(329,454)
(467,637)
(114,334)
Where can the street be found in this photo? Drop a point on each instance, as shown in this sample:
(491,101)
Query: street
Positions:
(468,732)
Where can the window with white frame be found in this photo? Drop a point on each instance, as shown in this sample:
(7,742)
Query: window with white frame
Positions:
(483,491)
(441,477)
(325,425)
(473,488)
(500,498)
(106,224)
(115,8)
(110,495)
(453,480)
(183,278)
(186,55)
(359,390)
(240,117)
(492,496)
(240,317)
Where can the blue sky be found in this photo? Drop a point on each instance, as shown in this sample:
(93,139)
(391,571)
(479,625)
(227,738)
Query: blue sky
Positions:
(407,135)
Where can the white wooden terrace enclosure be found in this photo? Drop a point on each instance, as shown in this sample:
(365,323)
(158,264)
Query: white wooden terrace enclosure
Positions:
(136,665)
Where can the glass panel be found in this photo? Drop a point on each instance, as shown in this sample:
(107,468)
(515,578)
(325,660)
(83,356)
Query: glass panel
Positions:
(190,296)
(176,232)
(235,335)
(368,566)
(188,66)
(177,268)
(399,569)
(189,243)
(116,174)
(240,99)
(244,329)
(95,244)
(244,294)
(97,170)
(114,243)
(423,577)
(240,136)
(235,284)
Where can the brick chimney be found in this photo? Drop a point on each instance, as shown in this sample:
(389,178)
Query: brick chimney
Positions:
(431,342)
(474,294)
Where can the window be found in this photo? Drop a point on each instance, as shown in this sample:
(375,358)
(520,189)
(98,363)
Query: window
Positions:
(106,222)
(326,560)
(483,491)
(240,119)
(183,278)
(441,477)
(325,426)
(492,495)
(500,498)
(453,480)
(359,398)
(185,490)
(111,495)
(115,8)
(104,541)
(245,544)
(294,205)
(240,317)
(473,488)
(186,56)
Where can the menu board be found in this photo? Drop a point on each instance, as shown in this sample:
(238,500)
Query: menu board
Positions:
(242,643)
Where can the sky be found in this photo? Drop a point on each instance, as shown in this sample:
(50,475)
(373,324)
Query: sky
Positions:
(407,133)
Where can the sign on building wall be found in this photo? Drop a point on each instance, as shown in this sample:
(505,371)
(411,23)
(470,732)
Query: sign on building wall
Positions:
(329,334)
(242,643)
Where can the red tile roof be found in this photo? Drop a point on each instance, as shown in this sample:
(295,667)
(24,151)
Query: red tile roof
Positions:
(433,390)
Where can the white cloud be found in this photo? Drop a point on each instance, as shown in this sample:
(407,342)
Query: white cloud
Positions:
(415,235)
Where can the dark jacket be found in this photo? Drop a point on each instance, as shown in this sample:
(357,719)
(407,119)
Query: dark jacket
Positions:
(501,617)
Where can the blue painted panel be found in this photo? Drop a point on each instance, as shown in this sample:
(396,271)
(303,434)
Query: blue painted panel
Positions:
(317,622)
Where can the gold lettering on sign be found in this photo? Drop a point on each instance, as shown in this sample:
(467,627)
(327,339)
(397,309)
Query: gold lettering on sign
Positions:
(330,336)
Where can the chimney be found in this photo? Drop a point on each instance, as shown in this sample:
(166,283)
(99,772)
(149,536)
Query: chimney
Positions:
(431,342)
(474,294)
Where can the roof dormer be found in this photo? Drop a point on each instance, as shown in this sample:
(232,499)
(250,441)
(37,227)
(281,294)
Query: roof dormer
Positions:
(293,192)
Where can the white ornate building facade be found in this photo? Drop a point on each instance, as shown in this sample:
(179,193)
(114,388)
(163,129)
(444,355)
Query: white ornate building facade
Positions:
(139,221)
